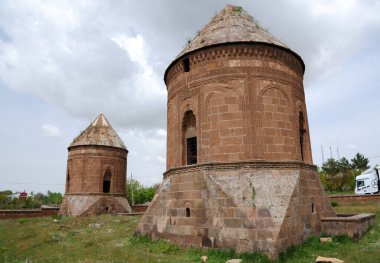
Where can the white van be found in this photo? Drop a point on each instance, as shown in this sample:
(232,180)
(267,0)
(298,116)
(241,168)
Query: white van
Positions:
(368,182)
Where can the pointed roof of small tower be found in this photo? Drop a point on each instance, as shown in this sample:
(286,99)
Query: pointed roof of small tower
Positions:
(100,132)
(232,24)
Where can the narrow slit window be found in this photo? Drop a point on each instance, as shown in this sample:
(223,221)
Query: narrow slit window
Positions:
(187,212)
(186,64)
(312,208)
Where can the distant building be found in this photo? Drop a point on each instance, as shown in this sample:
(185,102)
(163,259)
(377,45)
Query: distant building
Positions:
(23,195)
(96,172)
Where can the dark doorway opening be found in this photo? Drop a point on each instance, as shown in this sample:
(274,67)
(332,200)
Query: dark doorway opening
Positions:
(106,186)
(107,181)
(191,145)
(189,139)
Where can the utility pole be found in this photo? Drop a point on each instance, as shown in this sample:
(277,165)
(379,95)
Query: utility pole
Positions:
(132,189)
(330,153)
(323,156)
(337,151)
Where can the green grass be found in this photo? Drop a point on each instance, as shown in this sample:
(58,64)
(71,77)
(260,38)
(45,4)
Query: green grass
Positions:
(111,239)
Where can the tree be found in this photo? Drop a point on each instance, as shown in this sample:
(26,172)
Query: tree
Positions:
(337,175)
(345,175)
(359,162)
(140,193)
(329,173)
(53,198)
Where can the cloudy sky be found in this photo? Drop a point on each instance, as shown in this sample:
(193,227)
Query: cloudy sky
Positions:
(64,62)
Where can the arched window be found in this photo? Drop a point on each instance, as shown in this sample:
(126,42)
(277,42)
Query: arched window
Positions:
(189,144)
(107,181)
(302,131)
(187,210)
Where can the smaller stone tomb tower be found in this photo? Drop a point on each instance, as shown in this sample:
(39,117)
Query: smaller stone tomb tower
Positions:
(96,172)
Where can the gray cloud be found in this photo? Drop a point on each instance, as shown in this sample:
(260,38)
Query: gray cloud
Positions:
(87,57)
(64,53)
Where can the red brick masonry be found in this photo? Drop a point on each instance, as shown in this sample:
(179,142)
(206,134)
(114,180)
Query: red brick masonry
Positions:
(44,211)
(362,199)
(139,208)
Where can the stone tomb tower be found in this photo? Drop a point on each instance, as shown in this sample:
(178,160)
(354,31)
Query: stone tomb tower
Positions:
(239,165)
(96,172)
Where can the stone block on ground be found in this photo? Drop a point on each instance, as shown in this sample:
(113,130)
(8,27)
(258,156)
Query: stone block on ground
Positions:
(325,239)
(328,260)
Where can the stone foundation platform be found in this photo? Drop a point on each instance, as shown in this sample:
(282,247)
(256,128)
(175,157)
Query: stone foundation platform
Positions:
(245,206)
(93,204)
(351,225)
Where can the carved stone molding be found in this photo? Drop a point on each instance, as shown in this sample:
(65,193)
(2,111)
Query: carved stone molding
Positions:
(259,164)
(238,51)
(225,74)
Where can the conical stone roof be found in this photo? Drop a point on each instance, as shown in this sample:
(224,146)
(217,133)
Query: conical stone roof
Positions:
(232,24)
(100,132)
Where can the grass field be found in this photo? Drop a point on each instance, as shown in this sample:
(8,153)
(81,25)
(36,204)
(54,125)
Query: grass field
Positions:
(110,239)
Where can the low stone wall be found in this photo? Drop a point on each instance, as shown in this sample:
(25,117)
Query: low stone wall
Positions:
(351,225)
(362,199)
(139,208)
(44,211)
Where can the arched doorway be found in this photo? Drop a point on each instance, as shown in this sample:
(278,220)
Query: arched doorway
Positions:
(189,141)
(107,181)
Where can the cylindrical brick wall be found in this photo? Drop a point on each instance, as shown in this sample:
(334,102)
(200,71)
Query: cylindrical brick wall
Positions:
(87,166)
(248,101)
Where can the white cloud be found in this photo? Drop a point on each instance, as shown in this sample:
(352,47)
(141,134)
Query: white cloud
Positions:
(65,54)
(86,57)
(50,130)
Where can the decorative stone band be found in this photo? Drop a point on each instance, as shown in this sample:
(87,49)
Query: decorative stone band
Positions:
(223,74)
(102,194)
(94,146)
(238,50)
(280,165)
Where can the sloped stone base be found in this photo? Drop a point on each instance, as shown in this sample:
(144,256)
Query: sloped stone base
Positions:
(93,204)
(247,206)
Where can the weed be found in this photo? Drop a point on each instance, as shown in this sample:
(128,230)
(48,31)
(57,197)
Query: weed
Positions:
(237,10)
(58,217)
(334,204)
(154,246)
(188,42)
